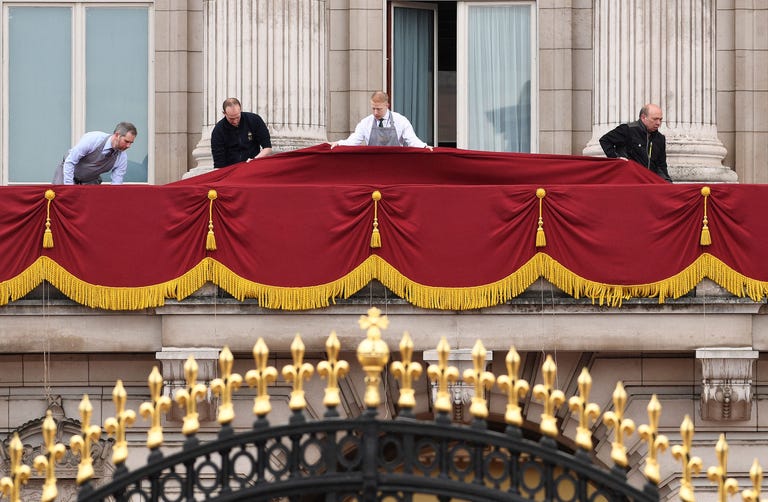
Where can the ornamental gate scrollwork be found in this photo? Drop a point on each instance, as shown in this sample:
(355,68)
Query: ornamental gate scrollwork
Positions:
(368,459)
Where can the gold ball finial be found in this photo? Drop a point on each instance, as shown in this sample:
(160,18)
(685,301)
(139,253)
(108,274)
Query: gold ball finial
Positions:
(541,193)
(50,194)
(212,194)
(705,191)
(376,195)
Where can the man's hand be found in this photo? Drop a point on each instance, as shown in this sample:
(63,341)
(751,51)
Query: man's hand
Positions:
(333,144)
(265,152)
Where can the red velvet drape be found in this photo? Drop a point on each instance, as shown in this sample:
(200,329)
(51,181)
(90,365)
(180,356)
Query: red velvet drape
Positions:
(458,230)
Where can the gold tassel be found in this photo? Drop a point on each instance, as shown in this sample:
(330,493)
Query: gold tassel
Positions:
(376,236)
(706,239)
(48,235)
(210,241)
(541,239)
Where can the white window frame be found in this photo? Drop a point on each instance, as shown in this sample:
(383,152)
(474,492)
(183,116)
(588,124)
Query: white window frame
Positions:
(78,75)
(462,65)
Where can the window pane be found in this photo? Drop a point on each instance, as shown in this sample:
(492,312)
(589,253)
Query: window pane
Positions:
(116,77)
(39,91)
(499,78)
(413,71)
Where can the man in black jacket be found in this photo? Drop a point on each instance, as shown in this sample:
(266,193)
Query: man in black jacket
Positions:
(239,137)
(640,141)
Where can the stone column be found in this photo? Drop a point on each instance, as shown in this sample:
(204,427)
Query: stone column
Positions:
(664,53)
(270,54)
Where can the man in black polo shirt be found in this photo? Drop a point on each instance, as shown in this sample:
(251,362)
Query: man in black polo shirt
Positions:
(239,136)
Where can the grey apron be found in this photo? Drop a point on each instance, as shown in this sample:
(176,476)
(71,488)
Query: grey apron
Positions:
(384,135)
(90,167)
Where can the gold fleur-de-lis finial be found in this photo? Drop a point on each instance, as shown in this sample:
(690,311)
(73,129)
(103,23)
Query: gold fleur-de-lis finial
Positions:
(153,409)
(225,385)
(333,369)
(81,444)
(719,473)
(406,371)
(188,397)
(261,377)
(621,426)
(118,425)
(515,388)
(691,465)
(550,397)
(443,375)
(481,379)
(756,475)
(10,486)
(373,354)
(585,410)
(656,442)
(297,373)
(47,463)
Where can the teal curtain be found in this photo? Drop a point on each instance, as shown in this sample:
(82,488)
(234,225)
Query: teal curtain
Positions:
(413,69)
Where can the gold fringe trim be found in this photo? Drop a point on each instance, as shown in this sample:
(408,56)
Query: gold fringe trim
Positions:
(375,267)
(210,240)
(294,298)
(706,239)
(125,298)
(541,265)
(48,235)
(18,287)
(375,235)
(541,239)
(103,297)
(465,298)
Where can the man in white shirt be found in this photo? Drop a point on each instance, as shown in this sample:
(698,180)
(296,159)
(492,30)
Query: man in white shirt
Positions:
(383,127)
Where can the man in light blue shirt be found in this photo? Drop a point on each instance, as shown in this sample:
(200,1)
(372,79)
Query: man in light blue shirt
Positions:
(97,153)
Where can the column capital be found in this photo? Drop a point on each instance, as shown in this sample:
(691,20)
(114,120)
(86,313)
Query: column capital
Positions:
(172,360)
(461,391)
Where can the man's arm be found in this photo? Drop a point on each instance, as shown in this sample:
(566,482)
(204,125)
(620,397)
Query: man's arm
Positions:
(407,133)
(217,147)
(119,169)
(262,138)
(662,162)
(613,139)
(359,136)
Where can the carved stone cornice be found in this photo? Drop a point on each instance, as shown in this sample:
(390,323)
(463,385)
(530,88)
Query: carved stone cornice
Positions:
(726,383)
(173,360)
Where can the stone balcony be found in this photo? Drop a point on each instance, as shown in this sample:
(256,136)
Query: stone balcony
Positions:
(542,318)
